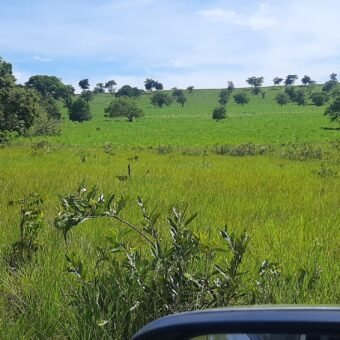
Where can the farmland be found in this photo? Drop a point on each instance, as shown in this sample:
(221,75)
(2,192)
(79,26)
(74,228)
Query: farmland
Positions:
(272,171)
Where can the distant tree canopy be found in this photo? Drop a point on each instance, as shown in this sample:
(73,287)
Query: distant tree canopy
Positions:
(87,95)
(307,80)
(290,79)
(219,113)
(100,88)
(123,107)
(128,91)
(151,84)
(110,86)
(230,87)
(179,96)
(161,99)
(84,84)
(79,110)
(333,111)
(241,98)
(190,89)
(224,96)
(277,81)
(255,81)
(333,76)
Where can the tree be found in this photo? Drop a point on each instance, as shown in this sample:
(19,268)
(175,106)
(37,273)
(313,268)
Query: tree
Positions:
(333,76)
(219,113)
(161,99)
(277,81)
(319,98)
(7,79)
(158,86)
(290,79)
(50,107)
(330,85)
(231,87)
(179,96)
(128,91)
(100,88)
(110,86)
(255,81)
(123,107)
(190,89)
(256,90)
(84,84)
(306,80)
(152,84)
(87,95)
(333,111)
(300,97)
(79,111)
(291,93)
(224,96)
(282,99)
(241,98)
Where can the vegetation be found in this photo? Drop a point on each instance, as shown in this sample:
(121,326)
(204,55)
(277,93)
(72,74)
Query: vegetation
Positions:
(79,110)
(219,113)
(79,263)
(123,108)
(161,99)
(241,98)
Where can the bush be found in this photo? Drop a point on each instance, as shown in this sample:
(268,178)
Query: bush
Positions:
(161,99)
(319,98)
(123,107)
(79,110)
(241,98)
(219,113)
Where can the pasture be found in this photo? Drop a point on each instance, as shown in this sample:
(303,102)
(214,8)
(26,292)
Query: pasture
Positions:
(272,171)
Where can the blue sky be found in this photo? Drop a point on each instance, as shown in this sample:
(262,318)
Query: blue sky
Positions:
(180,43)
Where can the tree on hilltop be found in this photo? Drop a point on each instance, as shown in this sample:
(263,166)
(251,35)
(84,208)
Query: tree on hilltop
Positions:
(123,107)
(161,99)
(84,84)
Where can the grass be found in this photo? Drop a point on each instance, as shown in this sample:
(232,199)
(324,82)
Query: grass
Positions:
(289,207)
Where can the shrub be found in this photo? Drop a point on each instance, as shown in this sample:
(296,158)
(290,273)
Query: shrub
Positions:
(241,98)
(79,110)
(161,99)
(319,98)
(219,113)
(123,107)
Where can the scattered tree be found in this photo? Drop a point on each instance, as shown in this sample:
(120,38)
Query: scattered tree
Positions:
(152,84)
(255,81)
(231,87)
(190,89)
(306,80)
(330,85)
(161,99)
(333,76)
(100,88)
(319,98)
(123,107)
(256,90)
(277,81)
(79,110)
(290,79)
(158,86)
(128,91)
(300,97)
(282,99)
(241,98)
(87,95)
(179,96)
(110,86)
(219,113)
(333,111)
(84,84)
(224,96)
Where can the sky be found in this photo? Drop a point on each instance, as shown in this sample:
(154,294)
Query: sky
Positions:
(179,43)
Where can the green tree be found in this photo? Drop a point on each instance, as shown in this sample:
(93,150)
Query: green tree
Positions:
(319,98)
(277,81)
(128,91)
(241,98)
(190,89)
(87,95)
(100,88)
(79,111)
(110,86)
(123,107)
(333,111)
(179,96)
(161,99)
(330,85)
(306,80)
(84,84)
(219,113)
(300,97)
(333,76)
(224,96)
(290,79)
(231,87)
(282,99)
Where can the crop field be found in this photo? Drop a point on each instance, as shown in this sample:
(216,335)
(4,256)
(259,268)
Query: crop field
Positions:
(273,172)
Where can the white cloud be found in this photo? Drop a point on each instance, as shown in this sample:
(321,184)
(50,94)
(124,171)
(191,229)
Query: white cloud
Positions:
(42,59)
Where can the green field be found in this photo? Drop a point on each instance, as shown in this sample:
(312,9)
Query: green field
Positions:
(284,192)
